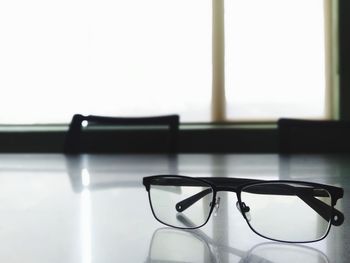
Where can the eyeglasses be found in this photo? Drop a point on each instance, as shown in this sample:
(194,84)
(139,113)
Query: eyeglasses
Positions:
(285,211)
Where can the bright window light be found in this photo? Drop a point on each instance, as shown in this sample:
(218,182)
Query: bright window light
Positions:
(104,57)
(275,59)
(143,58)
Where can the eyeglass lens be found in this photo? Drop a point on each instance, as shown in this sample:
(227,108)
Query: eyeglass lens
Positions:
(166,194)
(287,212)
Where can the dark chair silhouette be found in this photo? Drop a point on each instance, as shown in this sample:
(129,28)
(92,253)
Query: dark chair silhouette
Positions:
(313,136)
(161,138)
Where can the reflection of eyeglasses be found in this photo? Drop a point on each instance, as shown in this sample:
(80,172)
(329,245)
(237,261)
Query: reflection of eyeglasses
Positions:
(286,211)
(196,246)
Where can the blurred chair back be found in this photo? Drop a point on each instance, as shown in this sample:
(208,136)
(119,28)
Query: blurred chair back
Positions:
(313,136)
(134,134)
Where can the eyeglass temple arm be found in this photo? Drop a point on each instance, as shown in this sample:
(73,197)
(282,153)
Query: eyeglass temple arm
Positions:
(186,203)
(308,195)
(324,210)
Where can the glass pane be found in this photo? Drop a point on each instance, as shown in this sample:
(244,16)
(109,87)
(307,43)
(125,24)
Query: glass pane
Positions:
(166,195)
(288,212)
(275,59)
(121,58)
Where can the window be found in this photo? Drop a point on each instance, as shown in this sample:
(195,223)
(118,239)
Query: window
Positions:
(275,62)
(131,58)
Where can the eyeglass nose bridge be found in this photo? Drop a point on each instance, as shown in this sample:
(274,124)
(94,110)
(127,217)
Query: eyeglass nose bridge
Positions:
(244,211)
(216,205)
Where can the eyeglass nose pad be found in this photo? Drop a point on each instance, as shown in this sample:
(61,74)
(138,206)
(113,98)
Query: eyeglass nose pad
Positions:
(216,206)
(246,210)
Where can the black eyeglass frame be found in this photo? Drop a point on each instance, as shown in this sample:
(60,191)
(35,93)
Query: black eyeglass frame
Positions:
(219,184)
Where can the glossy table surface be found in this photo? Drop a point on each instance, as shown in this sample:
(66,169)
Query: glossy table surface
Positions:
(94,208)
